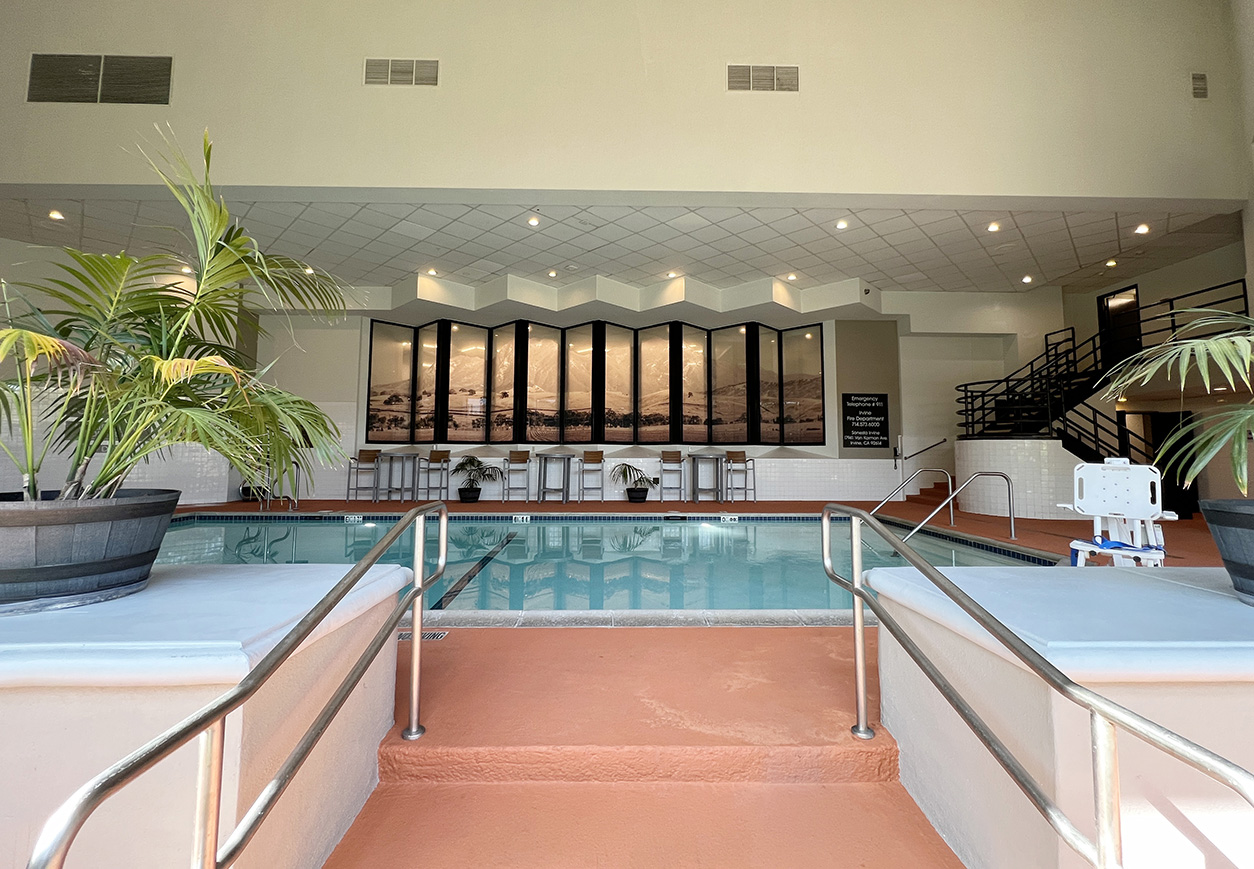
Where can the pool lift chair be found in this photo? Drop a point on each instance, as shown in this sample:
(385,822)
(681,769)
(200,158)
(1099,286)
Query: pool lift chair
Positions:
(672,464)
(1125,501)
(591,473)
(518,463)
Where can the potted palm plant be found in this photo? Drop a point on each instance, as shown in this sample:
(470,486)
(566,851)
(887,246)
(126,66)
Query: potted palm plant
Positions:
(635,481)
(476,473)
(117,359)
(1219,347)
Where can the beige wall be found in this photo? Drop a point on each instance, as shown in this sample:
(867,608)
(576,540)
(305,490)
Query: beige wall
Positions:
(989,97)
(867,362)
(1208,270)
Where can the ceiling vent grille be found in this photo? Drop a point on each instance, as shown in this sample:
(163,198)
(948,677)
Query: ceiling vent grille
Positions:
(402,71)
(93,78)
(1200,89)
(745,77)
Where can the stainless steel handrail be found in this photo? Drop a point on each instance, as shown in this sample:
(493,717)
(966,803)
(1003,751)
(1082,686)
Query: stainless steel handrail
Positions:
(1104,714)
(948,476)
(57,835)
(1010,495)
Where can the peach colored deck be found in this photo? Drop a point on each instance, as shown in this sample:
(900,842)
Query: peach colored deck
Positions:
(574,747)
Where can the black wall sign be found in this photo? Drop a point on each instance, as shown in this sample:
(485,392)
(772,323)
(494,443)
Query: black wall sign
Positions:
(865,419)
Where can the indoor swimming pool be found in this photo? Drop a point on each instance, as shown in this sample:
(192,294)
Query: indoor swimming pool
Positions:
(592,563)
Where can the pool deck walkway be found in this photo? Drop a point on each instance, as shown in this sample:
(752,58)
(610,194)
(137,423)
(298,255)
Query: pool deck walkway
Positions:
(578,747)
(1189,543)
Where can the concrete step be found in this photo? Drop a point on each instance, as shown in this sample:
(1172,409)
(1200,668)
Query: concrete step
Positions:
(640,825)
(710,705)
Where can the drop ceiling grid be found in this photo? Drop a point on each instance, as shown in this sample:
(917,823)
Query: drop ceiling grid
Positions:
(925,249)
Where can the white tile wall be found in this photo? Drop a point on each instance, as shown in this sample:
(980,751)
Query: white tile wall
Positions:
(1042,472)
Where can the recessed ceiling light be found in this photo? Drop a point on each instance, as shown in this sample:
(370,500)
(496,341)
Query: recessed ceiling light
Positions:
(454,327)
(742,330)
(1027,279)
(308,270)
(994,227)
(672,274)
(431,272)
(1110,263)
(808,336)
(56,215)
(1142,229)
(1221,389)
(842,224)
(1121,400)
(791,277)
(533,220)
(552,273)
(187,270)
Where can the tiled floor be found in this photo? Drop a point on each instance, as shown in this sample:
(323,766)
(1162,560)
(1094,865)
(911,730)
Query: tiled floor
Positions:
(1189,543)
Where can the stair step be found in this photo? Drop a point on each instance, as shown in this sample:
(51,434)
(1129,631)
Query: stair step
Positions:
(407,826)
(765,705)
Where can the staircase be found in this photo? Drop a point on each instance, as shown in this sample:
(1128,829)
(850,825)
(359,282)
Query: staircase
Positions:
(1050,397)
(555,747)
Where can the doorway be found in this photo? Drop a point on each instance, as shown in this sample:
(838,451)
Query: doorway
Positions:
(1155,428)
(1119,325)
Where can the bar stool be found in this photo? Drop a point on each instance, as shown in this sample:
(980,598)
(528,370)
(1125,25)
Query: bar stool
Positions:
(593,462)
(672,463)
(434,473)
(739,463)
(366,461)
(518,462)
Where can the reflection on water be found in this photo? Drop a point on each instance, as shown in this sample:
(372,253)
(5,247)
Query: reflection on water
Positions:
(578,565)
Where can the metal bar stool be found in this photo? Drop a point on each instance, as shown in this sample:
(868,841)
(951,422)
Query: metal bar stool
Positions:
(672,463)
(434,470)
(739,463)
(593,462)
(518,462)
(366,461)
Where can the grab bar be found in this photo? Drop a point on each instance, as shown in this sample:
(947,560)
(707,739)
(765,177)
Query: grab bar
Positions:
(209,723)
(925,449)
(1104,714)
(1010,494)
(906,482)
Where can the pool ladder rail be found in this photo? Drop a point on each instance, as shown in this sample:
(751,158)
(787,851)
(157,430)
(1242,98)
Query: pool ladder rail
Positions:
(209,723)
(1105,716)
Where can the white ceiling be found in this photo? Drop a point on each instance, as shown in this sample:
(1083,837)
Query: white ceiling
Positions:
(383,244)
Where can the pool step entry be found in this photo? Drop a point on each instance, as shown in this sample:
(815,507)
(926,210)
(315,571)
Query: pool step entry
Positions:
(639,747)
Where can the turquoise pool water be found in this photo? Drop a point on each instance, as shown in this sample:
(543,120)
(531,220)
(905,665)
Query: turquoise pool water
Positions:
(586,564)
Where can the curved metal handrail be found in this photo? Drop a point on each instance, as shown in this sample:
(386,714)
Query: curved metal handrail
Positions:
(1010,494)
(57,835)
(948,476)
(1104,714)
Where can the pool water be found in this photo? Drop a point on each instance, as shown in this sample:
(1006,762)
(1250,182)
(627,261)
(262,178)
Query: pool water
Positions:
(594,564)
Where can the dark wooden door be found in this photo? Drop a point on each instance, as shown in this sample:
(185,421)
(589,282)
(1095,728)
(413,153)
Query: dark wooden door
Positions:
(1119,324)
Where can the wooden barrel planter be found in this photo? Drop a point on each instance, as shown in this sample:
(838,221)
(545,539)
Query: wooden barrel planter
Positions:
(56,554)
(1231,524)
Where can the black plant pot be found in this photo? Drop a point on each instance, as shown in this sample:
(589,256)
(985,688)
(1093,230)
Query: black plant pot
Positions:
(469,495)
(56,554)
(638,495)
(1232,525)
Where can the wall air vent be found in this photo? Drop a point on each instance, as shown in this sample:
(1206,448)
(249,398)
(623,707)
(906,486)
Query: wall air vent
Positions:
(745,77)
(406,72)
(1200,89)
(93,78)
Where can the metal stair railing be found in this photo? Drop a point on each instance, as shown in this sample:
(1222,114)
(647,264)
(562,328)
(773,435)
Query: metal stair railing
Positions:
(949,478)
(1010,496)
(1103,434)
(1105,716)
(209,723)
(1050,381)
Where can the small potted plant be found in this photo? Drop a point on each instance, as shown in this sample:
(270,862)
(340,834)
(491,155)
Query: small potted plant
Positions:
(476,473)
(1219,346)
(635,481)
